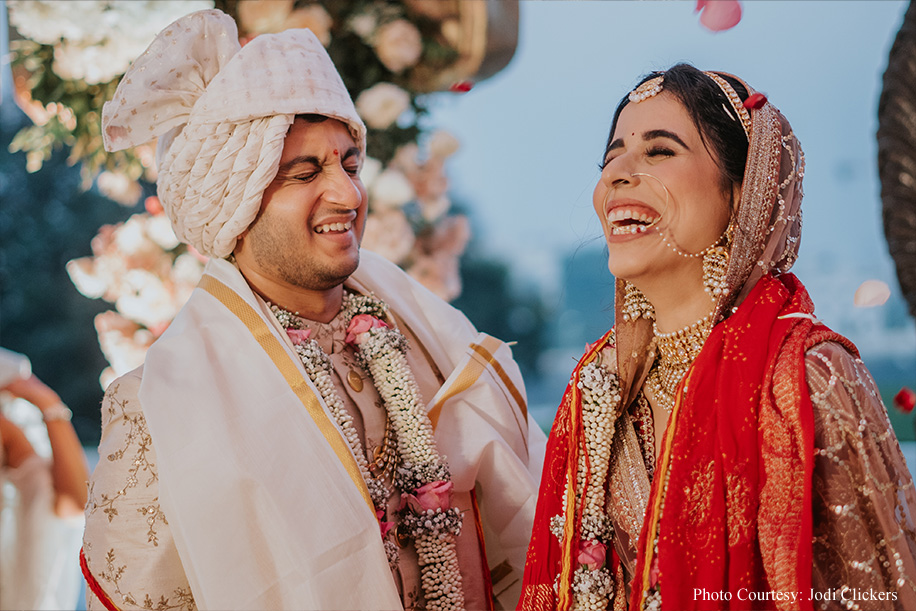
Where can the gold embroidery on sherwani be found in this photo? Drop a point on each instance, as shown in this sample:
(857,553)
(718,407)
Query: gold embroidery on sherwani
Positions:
(138,434)
(183,599)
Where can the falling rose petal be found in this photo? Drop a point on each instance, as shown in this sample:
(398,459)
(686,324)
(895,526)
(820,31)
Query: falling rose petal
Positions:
(905,400)
(719,15)
(461,87)
(871,293)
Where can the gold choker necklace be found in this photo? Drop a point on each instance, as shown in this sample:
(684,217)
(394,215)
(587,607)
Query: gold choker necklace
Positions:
(676,352)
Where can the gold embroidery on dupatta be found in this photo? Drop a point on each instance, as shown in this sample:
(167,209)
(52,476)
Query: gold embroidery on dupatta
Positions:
(538,597)
(737,495)
(779,520)
(697,500)
(629,481)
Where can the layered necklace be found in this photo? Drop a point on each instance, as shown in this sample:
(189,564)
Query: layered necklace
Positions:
(408,453)
(676,352)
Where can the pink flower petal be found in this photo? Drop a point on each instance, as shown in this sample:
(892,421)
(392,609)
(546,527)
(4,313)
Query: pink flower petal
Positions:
(592,554)
(360,324)
(719,15)
(871,293)
(298,336)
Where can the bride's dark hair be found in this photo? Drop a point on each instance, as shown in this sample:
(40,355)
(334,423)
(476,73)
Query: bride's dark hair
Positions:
(711,112)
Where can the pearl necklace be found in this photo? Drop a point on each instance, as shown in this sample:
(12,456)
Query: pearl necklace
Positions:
(676,352)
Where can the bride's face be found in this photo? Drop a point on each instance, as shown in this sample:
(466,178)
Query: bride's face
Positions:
(682,200)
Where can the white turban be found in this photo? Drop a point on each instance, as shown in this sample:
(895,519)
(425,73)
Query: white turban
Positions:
(221,112)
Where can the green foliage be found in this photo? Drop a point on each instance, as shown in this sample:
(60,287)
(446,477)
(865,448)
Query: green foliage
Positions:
(82,134)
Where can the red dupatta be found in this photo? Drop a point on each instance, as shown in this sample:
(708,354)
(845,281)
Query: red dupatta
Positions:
(731,497)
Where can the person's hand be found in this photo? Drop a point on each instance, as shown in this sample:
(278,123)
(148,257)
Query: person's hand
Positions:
(34,391)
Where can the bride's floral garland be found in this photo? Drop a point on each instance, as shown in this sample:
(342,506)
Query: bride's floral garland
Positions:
(422,475)
(593,580)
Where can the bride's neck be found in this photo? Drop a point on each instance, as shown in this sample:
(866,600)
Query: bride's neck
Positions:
(678,305)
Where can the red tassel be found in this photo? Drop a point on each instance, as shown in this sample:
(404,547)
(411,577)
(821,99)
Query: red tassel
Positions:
(461,87)
(755,101)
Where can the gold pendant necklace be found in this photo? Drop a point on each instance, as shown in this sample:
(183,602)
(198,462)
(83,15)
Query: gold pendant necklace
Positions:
(676,352)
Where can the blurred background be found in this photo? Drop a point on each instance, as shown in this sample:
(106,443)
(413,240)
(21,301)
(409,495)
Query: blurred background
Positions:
(487,122)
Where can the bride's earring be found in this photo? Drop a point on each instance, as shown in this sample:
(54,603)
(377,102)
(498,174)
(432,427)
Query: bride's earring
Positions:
(636,305)
(715,266)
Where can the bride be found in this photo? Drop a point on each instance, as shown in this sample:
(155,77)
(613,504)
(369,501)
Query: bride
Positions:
(719,447)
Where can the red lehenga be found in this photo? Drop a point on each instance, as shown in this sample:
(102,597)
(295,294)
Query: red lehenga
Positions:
(743,516)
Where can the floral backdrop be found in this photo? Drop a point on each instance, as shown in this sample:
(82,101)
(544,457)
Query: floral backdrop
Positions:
(71,55)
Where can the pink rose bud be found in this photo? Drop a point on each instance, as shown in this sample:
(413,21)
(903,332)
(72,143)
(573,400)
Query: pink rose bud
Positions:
(653,572)
(905,400)
(359,324)
(298,336)
(592,554)
(434,495)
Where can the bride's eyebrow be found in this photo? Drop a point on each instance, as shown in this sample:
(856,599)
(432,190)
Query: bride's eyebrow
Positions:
(664,133)
(651,135)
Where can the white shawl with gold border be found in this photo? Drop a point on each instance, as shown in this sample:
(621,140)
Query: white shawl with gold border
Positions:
(264,500)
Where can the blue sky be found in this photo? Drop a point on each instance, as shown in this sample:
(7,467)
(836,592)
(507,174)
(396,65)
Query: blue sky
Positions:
(533,134)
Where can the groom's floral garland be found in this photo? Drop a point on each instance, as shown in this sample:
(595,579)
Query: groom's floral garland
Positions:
(593,580)
(422,475)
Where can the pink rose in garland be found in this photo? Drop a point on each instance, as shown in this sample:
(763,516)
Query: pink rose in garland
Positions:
(434,495)
(384,526)
(360,324)
(298,336)
(719,15)
(592,554)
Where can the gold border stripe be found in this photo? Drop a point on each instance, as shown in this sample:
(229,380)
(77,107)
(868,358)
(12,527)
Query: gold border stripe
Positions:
(472,372)
(465,380)
(291,374)
(497,366)
(654,513)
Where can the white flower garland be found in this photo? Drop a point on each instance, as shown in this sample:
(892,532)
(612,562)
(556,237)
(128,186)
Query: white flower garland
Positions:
(381,350)
(592,587)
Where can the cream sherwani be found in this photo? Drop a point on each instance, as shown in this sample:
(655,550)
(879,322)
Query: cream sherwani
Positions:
(224,483)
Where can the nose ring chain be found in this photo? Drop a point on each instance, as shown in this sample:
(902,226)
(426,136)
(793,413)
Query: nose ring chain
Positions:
(662,232)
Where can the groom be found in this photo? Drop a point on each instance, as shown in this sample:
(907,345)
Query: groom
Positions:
(315,430)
